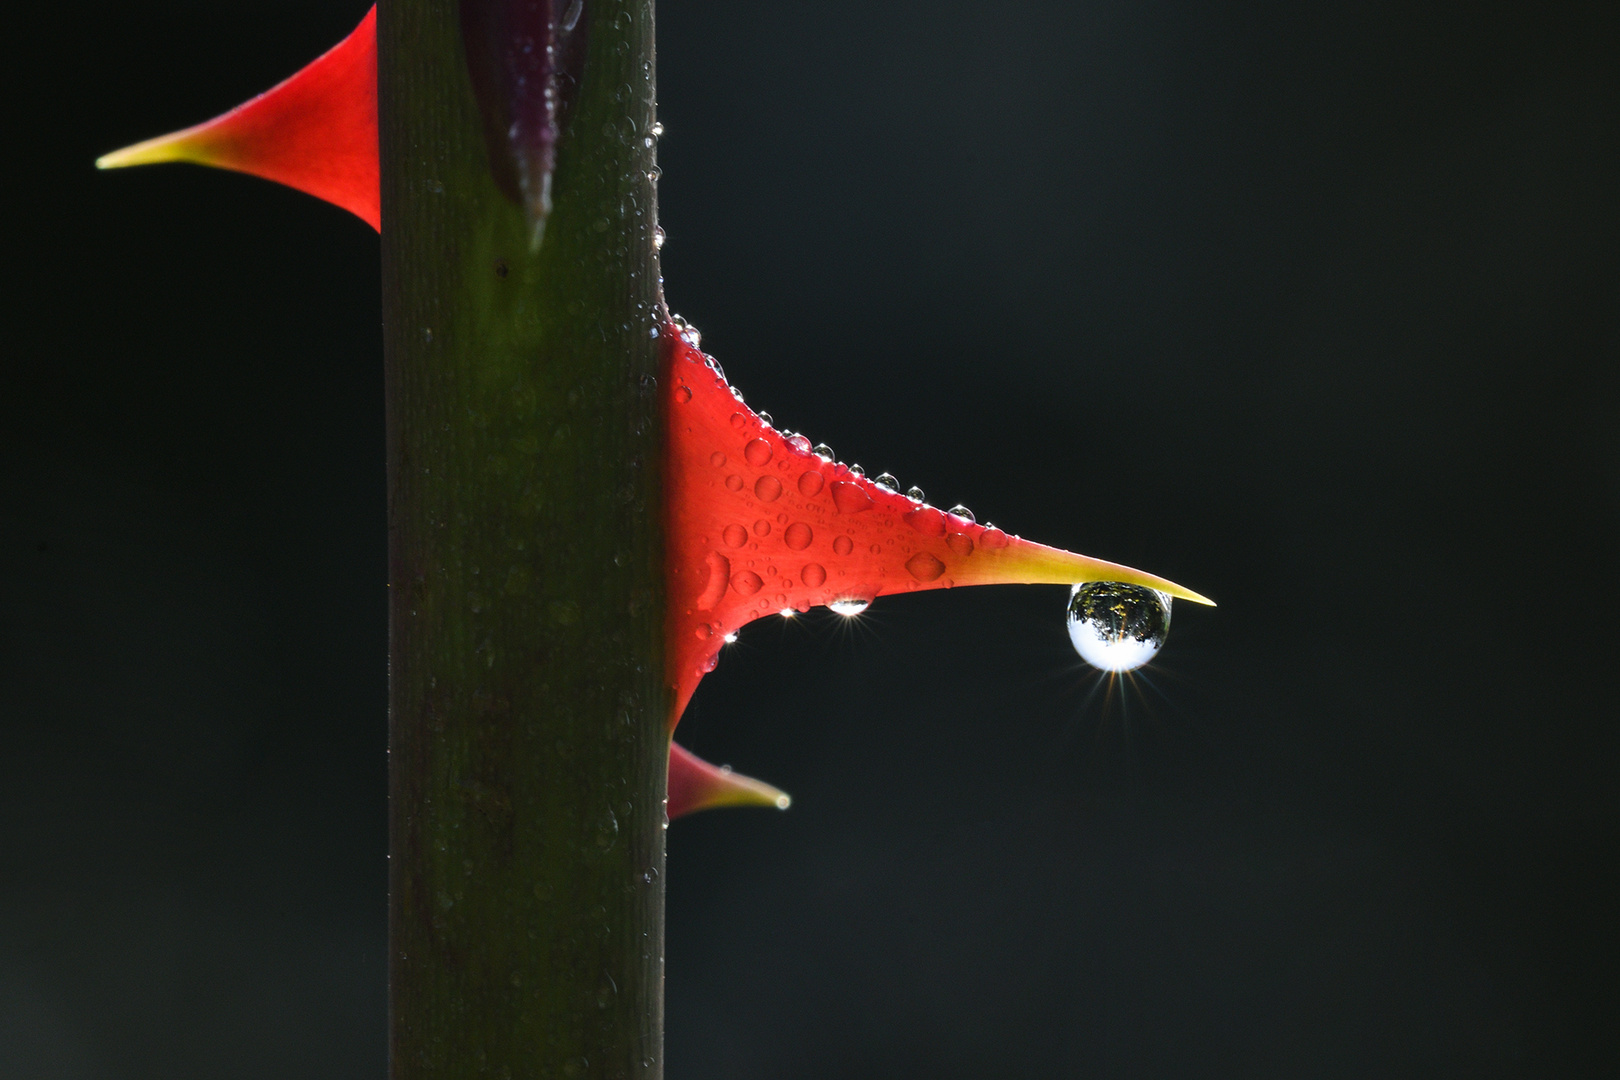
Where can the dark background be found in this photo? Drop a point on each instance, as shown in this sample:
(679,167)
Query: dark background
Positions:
(1314,308)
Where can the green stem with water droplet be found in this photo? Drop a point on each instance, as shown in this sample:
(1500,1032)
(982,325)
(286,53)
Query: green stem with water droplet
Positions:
(527,700)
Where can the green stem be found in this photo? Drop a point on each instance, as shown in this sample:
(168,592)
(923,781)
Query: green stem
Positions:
(526,692)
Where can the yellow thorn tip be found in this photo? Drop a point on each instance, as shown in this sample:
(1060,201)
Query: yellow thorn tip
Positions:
(176,146)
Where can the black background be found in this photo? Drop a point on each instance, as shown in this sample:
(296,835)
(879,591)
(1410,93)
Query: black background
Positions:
(1312,308)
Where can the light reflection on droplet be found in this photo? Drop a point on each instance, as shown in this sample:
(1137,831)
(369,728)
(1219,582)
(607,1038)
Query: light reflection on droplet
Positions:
(1117,627)
(848,606)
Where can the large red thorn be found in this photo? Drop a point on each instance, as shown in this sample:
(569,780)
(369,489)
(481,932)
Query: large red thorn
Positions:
(316,132)
(757,524)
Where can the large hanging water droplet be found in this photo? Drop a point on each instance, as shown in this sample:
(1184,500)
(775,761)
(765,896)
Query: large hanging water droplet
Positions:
(887,482)
(1118,627)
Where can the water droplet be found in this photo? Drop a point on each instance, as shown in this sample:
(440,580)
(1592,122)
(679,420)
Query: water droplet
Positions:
(717,571)
(654,173)
(849,498)
(739,421)
(767,489)
(765,418)
(823,451)
(887,482)
(734,482)
(717,459)
(960,543)
(992,538)
(762,527)
(1117,627)
(924,567)
(849,606)
(856,470)
(798,536)
(682,395)
(731,638)
(843,545)
(658,238)
(927,520)
(758,452)
(652,331)
(813,575)
(746,582)
(657,129)
(961,511)
(915,493)
(714,365)
(810,484)
(703,631)
(607,829)
(735,535)
(798,444)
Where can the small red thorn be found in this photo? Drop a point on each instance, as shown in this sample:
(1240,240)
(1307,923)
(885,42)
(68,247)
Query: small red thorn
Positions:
(316,132)
(757,524)
(696,785)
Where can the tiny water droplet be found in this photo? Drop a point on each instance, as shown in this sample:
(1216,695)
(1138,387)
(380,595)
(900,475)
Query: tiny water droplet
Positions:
(657,129)
(843,545)
(735,535)
(849,498)
(961,511)
(925,567)
(810,484)
(914,493)
(823,451)
(798,536)
(1115,626)
(856,470)
(731,638)
(758,452)
(734,482)
(798,444)
(814,575)
(717,459)
(927,520)
(887,482)
(714,365)
(658,238)
(654,173)
(767,489)
(765,418)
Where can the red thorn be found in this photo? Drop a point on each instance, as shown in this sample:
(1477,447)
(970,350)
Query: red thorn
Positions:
(696,785)
(316,132)
(757,524)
